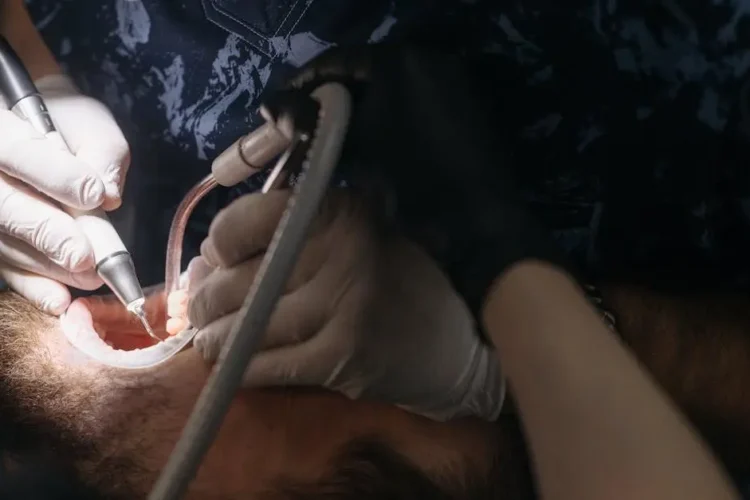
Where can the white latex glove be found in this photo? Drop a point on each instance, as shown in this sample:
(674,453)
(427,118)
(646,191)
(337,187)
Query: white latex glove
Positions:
(41,248)
(362,314)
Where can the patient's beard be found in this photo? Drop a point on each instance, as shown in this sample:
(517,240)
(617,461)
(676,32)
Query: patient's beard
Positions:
(59,407)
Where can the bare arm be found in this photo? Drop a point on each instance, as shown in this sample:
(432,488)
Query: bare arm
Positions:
(16,26)
(597,425)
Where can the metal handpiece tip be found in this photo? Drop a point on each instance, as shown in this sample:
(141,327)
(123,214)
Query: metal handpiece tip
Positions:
(148,328)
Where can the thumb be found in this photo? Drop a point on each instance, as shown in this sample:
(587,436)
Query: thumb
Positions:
(295,349)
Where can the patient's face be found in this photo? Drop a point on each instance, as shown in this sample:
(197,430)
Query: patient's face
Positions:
(116,427)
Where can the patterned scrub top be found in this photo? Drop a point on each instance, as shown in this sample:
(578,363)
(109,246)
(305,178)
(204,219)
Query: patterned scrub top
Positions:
(629,121)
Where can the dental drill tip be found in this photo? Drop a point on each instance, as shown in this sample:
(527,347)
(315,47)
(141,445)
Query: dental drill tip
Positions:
(144,322)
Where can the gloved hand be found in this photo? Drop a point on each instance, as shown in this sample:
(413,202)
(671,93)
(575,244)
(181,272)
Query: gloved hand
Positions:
(363,314)
(40,246)
(421,127)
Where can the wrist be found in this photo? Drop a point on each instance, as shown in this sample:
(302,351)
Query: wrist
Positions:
(19,30)
(57,84)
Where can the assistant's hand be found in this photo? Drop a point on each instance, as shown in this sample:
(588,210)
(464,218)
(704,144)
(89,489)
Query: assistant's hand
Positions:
(362,314)
(421,127)
(41,248)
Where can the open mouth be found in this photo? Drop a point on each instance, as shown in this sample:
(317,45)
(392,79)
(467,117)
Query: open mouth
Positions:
(115,326)
(102,328)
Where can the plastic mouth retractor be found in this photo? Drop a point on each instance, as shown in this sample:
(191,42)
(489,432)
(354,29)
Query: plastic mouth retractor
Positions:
(87,341)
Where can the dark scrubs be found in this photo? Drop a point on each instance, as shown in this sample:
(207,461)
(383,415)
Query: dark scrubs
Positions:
(183,79)
(629,120)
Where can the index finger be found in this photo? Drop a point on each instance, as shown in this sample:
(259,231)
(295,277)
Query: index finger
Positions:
(45,164)
(244,228)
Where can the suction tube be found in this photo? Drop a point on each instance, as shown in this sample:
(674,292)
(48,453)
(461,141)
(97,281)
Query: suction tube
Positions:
(172,269)
(249,327)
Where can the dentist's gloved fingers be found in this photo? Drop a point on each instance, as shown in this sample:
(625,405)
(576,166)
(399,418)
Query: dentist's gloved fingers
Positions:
(296,319)
(23,256)
(224,290)
(303,364)
(28,217)
(91,132)
(197,271)
(221,293)
(46,294)
(244,228)
(209,340)
(299,316)
(26,155)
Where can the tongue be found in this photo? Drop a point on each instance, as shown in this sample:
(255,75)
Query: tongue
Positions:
(114,324)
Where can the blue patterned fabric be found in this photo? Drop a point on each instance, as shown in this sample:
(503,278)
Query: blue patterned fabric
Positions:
(183,78)
(627,120)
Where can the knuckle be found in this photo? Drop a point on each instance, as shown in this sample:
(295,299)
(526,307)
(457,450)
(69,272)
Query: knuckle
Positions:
(8,206)
(87,189)
(199,308)
(119,152)
(60,248)
(51,245)
(221,251)
(40,239)
(210,254)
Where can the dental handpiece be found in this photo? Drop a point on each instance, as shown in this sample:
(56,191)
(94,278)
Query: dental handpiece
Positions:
(113,262)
